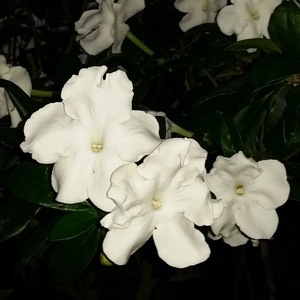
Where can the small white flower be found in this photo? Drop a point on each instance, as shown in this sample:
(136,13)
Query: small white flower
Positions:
(90,134)
(198,12)
(247,18)
(164,197)
(98,29)
(251,191)
(20,77)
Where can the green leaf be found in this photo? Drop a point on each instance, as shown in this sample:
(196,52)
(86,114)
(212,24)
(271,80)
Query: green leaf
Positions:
(10,137)
(71,257)
(230,137)
(291,128)
(24,104)
(14,216)
(31,182)
(263,44)
(72,225)
(284,28)
(295,189)
(276,106)
(31,245)
(271,69)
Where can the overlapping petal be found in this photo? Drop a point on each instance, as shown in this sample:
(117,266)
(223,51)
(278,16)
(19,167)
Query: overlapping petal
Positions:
(84,135)
(247,18)
(156,198)
(98,29)
(198,12)
(20,77)
(251,192)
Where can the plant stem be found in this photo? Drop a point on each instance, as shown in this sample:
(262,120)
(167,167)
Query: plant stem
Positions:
(139,43)
(44,94)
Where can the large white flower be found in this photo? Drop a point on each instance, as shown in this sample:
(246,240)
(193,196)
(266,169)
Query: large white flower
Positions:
(198,12)
(247,18)
(90,134)
(164,197)
(98,29)
(20,77)
(251,191)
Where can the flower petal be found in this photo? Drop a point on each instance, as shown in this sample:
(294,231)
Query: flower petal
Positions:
(121,242)
(179,244)
(229,21)
(125,9)
(90,98)
(256,222)
(120,32)
(271,189)
(137,137)
(50,134)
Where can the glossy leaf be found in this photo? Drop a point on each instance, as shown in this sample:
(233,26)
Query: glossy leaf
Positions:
(284,28)
(24,104)
(72,225)
(291,128)
(230,137)
(71,257)
(31,245)
(271,69)
(14,216)
(263,44)
(31,182)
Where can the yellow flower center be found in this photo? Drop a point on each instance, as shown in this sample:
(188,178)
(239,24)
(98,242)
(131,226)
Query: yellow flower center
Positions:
(156,204)
(240,190)
(255,16)
(205,7)
(97,147)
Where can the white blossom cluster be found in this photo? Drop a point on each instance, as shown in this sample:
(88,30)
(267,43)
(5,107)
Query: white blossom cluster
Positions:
(98,29)
(94,140)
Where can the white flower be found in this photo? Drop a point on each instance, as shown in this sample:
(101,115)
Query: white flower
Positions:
(98,29)
(198,12)
(251,191)
(164,197)
(20,77)
(90,134)
(247,18)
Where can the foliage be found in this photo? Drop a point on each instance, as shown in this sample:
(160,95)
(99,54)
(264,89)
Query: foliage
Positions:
(203,80)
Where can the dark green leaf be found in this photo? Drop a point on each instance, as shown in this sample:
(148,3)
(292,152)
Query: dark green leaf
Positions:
(71,257)
(230,137)
(284,28)
(271,69)
(31,245)
(24,104)
(72,225)
(10,137)
(291,128)
(31,182)
(263,44)
(295,190)
(14,216)
(276,106)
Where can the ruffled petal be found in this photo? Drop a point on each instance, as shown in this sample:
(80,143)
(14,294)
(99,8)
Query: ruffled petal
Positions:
(92,100)
(256,222)
(179,244)
(20,77)
(229,21)
(120,32)
(192,19)
(137,137)
(128,8)
(51,134)
(271,189)
(121,242)
(236,239)
(98,40)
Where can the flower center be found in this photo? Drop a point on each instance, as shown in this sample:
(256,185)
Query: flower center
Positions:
(240,190)
(156,204)
(255,16)
(97,147)
(205,7)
